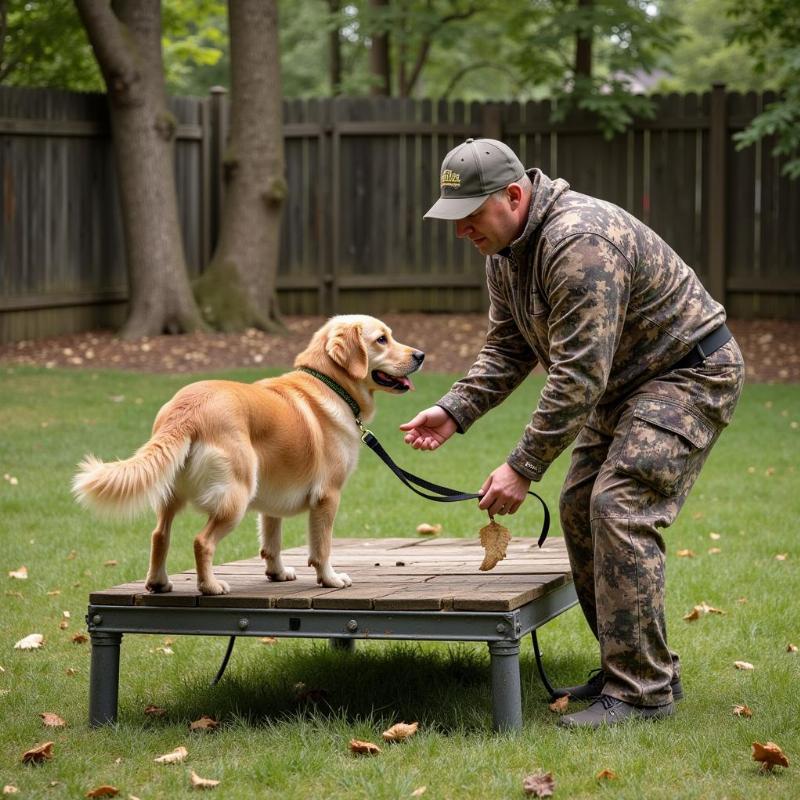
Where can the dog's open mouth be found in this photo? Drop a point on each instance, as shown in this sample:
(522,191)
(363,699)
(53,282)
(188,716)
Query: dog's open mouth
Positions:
(396,382)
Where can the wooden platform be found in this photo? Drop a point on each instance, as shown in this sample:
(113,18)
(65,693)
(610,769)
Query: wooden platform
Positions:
(434,574)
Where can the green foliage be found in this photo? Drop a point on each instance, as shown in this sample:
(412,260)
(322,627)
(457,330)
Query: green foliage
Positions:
(270,744)
(770,30)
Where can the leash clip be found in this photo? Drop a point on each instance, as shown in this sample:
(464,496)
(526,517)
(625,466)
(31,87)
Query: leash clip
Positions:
(364,431)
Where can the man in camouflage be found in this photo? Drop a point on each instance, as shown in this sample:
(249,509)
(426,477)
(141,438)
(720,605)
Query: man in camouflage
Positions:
(642,374)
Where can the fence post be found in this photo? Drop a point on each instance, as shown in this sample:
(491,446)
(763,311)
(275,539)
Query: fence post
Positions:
(492,122)
(218,114)
(717,181)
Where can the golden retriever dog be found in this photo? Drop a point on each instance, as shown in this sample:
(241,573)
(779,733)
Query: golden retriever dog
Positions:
(280,446)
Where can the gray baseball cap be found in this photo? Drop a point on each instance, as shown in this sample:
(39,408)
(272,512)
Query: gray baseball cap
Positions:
(470,173)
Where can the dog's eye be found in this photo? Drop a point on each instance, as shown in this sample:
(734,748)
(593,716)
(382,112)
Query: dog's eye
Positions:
(382,340)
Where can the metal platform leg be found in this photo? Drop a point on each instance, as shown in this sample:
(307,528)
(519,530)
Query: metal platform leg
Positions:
(339,643)
(104,678)
(506,689)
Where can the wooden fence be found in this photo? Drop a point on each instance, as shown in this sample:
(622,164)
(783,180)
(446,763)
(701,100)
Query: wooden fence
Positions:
(361,174)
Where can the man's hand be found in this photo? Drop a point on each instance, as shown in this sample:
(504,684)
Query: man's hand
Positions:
(503,491)
(429,429)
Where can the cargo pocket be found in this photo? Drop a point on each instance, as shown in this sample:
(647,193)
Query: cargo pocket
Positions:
(665,445)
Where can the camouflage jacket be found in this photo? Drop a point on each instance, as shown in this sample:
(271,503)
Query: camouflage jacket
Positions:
(597,298)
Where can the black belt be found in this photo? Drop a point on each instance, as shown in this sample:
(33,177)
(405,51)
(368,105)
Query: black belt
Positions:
(705,347)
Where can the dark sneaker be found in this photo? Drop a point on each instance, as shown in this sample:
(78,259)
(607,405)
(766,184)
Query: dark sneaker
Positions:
(607,710)
(593,688)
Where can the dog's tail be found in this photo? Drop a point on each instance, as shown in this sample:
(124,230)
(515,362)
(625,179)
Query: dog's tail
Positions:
(126,488)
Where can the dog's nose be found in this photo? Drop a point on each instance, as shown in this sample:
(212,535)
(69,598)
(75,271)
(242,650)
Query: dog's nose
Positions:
(418,356)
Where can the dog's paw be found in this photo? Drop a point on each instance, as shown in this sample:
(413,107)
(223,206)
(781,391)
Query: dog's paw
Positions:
(287,574)
(336,580)
(214,587)
(158,587)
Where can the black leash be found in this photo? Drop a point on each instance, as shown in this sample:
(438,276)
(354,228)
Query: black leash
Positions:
(442,494)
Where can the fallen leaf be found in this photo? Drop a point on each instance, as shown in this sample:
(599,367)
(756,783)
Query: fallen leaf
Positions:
(426,529)
(494,540)
(791,648)
(606,775)
(540,784)
(743,665)
(155,711)
(364,748)
(742,711)
(196,782)
(686,553)
(103,791)
(15,594)
(559,705)
(714,536)
(204,724)
(303,694)
(80,638)
(20,574)
(769,755)
(9,789)
(400,731)
(419,791)
(712,551)
(700,611)
(51,720)
(31,642)
(268,640)
(742,600)
(54,593)
(71,671)
(112,562)
(175,757)
(42,752)
(64,624)
(781,556)
(73,554)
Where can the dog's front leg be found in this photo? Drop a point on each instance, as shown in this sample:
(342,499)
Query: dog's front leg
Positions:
(320,533)
(269,533)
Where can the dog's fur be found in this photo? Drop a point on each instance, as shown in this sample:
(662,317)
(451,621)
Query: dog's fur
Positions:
(280,446)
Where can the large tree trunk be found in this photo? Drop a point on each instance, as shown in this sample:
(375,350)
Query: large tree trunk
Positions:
(379,65)
(126,39)
(238,288)
(335,51)
(583,46)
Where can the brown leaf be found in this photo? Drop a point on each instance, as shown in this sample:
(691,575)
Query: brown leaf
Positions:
(20,574)
(204,724)
(494,540)
(80,638)
(196,782)
(769,755)
(742,710)
(606,775)
(559,705)
(686,553)
(712,551)
(42,752)
(51,720)
(715,536)
(103,791)
(426,529)
(746,665)
(540,784)
(268,640)
(781,556)
(10,789)
(64,624)
(305,695)
(400,731)
(155,711)
(791,648)
(364,748)
(419,791)
(112,562)
(700,611)
(175,757)
(32,641)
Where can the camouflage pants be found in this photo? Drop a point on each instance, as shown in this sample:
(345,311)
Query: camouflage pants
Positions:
(632,467)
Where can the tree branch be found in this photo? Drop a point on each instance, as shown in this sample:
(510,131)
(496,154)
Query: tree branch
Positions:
(478,65)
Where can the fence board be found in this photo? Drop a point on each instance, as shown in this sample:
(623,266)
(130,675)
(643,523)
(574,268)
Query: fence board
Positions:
(361,174)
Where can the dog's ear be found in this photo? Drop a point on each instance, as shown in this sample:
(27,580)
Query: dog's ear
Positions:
(346,347)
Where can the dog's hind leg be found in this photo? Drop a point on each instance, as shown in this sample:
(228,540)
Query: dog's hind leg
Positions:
(320,533)
(269,532)
(157,577)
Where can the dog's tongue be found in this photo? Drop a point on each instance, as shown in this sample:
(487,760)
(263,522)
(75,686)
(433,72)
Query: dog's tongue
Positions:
(407,382)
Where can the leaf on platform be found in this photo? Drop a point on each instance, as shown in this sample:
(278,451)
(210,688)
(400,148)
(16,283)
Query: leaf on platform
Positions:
(494,540)
(426,529)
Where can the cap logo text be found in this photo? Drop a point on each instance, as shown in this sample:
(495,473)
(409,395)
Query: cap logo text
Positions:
(451,178)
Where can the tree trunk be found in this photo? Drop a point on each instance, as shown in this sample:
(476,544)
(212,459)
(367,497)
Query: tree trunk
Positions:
(126,39)
(583,46)
(379,65)
(335,51)
(238,288)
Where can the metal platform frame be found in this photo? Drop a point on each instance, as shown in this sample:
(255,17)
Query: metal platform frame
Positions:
(502,631)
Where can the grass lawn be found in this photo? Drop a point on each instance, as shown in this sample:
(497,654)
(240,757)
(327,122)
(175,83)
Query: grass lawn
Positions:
(271,744)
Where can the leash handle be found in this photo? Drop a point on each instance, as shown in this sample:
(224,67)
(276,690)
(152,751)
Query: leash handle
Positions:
(443,494)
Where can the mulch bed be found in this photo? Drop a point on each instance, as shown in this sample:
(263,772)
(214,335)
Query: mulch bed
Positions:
(771,347)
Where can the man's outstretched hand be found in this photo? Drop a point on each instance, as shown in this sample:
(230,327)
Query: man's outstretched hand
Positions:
(429,429)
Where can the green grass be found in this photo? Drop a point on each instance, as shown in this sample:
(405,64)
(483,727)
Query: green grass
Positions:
(272,745)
